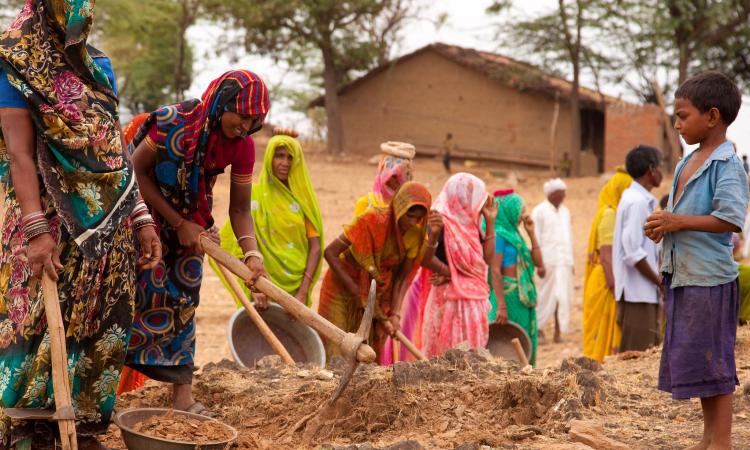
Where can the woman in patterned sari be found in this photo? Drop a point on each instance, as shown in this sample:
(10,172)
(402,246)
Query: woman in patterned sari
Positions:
(287,220)
(180,151)
(71,211)
(374,247)
(513,268)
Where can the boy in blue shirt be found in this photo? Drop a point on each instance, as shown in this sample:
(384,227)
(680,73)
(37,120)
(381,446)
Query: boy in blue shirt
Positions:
(707,203)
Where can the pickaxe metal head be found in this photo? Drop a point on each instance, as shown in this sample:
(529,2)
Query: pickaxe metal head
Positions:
(351,343)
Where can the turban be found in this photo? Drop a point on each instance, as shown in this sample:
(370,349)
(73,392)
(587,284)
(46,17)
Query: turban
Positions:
(556,184)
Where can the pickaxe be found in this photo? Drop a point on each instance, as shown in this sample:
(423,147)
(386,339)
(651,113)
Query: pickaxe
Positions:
(352,345)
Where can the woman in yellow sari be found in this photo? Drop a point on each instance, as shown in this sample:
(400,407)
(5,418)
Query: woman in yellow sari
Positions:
(287,219)
(601,334)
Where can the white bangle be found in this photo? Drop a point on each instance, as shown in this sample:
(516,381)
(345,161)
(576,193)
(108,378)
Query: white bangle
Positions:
(252,253)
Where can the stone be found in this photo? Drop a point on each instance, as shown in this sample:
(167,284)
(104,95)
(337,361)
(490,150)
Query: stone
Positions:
(592,434)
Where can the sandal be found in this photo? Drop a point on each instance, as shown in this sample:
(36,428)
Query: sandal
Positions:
(198,408)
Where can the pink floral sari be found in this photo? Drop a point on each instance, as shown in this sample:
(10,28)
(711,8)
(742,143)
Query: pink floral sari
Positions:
(438,318)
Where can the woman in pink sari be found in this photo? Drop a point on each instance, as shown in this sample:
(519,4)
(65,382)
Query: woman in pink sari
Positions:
(447,302)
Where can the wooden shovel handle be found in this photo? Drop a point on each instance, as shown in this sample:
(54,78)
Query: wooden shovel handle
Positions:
(59,359)
(263,327)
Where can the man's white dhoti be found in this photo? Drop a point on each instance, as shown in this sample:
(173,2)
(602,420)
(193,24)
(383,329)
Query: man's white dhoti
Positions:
(554,291)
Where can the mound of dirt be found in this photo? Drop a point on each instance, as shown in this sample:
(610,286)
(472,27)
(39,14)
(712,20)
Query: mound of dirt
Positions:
(462,398)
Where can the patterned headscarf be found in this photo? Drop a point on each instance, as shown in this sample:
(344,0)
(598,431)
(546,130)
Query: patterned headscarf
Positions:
(461,202)
(186,128)
(391,166)
(74,108)
(369,233)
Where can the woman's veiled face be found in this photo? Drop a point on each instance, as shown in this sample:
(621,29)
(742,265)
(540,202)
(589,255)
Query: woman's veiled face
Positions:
(281,163)
(235,125)
(393,183)
(412,218)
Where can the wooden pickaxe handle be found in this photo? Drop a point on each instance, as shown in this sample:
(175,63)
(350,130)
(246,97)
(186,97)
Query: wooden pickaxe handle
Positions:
(410,346)
(365,353)
(263,327)
(59,359)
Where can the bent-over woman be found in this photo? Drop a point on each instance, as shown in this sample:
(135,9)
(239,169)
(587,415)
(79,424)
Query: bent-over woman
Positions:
(180,151)
(375,247)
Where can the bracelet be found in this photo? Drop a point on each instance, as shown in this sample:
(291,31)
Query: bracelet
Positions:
(252,253)
(247,236)
(143,221)
(307,275)
(179,224)
(35,229)
(32,216)
(142,218)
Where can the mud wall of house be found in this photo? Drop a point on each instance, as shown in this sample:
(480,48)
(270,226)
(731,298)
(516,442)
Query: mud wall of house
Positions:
(422,98)
(627,126)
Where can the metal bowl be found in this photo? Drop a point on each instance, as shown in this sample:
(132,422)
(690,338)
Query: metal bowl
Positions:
(134,440)
(248,345)
(499,343)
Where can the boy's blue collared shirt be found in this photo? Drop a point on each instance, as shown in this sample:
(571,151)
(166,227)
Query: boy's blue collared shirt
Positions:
(718,188)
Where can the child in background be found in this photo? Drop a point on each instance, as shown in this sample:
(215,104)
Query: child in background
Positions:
(707,203)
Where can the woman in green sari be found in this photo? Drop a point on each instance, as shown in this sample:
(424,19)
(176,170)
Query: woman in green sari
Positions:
(288,223)
(513,268)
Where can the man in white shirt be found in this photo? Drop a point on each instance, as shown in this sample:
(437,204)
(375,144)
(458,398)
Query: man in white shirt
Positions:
(635,257)
(554,286)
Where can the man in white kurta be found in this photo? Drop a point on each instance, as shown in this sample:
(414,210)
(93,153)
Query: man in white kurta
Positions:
(553,232)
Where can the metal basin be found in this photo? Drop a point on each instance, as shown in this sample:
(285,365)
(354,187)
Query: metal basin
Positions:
(499,342)
(248,345)
(134,440)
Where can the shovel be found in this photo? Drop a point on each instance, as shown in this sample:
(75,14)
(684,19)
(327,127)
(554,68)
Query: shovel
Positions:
(63,413)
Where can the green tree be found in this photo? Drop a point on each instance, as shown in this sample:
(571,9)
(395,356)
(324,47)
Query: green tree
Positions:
(148,46)
(340,37)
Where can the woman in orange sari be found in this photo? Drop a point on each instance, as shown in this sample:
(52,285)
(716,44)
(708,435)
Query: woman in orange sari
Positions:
(375,246)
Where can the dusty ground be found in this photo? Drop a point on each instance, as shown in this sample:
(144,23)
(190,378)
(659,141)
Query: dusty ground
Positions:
(461,400)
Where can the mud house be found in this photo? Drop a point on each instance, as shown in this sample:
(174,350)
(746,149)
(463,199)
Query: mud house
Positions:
(497,109)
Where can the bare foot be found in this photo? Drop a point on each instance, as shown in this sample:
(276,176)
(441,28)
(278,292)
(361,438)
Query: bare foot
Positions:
(182,396)
(541,338)
(702,445)
(719,447)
